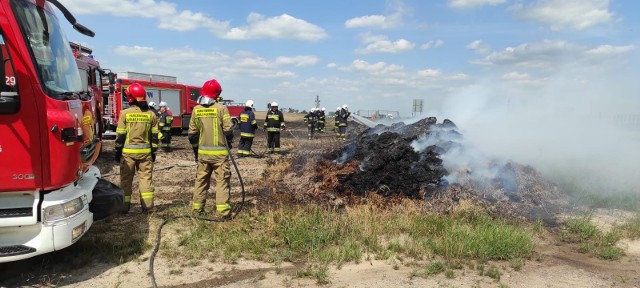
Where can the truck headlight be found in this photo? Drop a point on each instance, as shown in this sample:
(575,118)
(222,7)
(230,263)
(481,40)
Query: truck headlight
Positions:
(61,211)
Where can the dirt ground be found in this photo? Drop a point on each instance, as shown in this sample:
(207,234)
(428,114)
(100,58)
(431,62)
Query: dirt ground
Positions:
(556,264)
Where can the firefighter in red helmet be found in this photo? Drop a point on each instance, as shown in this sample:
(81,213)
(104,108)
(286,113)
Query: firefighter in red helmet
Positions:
(211,135)
(136,144)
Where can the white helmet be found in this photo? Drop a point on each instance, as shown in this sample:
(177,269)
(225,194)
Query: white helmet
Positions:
(249,103)
(153,105)
(274,104)
(338,108)
(344,106)
(163,104)
(322,108)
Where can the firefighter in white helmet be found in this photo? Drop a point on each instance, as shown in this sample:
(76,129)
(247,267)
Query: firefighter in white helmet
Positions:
(312,122)
(336,121)
(211,135)
(274,123)
(153,107)
(135,150)
(342,125)
(321,120)
(248,127)
(164,124)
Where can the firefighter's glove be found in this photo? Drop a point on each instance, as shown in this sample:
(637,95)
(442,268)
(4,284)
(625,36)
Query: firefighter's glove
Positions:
(118,156)
(153,157)
(229,139)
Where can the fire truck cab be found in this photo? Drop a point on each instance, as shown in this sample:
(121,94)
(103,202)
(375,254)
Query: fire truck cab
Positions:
(48,137)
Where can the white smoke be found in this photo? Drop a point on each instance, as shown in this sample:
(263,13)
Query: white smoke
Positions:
(463,162)
(577,126)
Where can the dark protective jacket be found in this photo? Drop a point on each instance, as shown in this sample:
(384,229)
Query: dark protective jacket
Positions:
(137,131)
(248,123)
(311,119)
(343,117)
(165,122)
(209,128)
(274,121)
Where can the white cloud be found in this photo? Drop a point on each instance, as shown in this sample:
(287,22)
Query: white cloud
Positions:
(280,27)
(306,60)
(559,14)
(429,73)
(610,50)
(550,54)
(393,20)
(366,21)
(521,78)
(196,66)
(378,69)
(474,3)
(169,18)
(479,47)
(381,44)
(432,44)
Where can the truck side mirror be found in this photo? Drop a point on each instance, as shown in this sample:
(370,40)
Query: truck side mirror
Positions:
(112,78)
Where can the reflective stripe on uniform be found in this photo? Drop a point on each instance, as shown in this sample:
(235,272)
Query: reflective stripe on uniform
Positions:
(137,148)
(147,195)
(273,129)
(197,206)
(245,134)
(223,207)
(212,150)
(127,199)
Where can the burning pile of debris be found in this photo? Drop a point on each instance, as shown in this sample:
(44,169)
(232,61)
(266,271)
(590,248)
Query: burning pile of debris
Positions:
(431,161)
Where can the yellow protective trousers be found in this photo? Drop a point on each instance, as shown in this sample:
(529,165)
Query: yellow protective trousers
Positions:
(141,162)
(221,166)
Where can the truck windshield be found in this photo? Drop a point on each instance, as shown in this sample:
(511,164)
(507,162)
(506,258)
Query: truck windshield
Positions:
(54,60)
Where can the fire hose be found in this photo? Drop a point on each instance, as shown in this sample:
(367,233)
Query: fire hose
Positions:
(234,212)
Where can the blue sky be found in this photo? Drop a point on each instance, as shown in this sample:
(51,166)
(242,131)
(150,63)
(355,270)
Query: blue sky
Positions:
(367,54)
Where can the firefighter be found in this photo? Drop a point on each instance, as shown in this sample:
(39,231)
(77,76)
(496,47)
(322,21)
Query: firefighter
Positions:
(165,123)
(321,120)
(342,125)
(336,122)
(136,144)
(312,122)
(153,107)
(248,127)
(211,135)
(274,123)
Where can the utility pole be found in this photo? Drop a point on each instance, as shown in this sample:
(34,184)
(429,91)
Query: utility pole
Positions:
(317,101)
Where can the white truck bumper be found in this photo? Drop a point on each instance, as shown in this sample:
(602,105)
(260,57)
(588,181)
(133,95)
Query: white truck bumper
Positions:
(47,230)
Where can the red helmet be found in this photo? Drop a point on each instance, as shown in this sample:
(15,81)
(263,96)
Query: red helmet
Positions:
(135,92)
(210,91)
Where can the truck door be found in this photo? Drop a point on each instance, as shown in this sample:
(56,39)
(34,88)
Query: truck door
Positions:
(20,146)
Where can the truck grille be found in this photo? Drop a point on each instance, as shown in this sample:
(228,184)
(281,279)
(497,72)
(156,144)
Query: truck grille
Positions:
(16,212)
(15,250)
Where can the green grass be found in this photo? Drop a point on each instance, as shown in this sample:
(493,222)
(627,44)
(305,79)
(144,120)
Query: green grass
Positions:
(631,228)
(590,239)
(315,235)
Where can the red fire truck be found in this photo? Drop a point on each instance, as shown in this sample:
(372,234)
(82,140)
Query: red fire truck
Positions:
(49,137)
(180,99)
(92,77)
